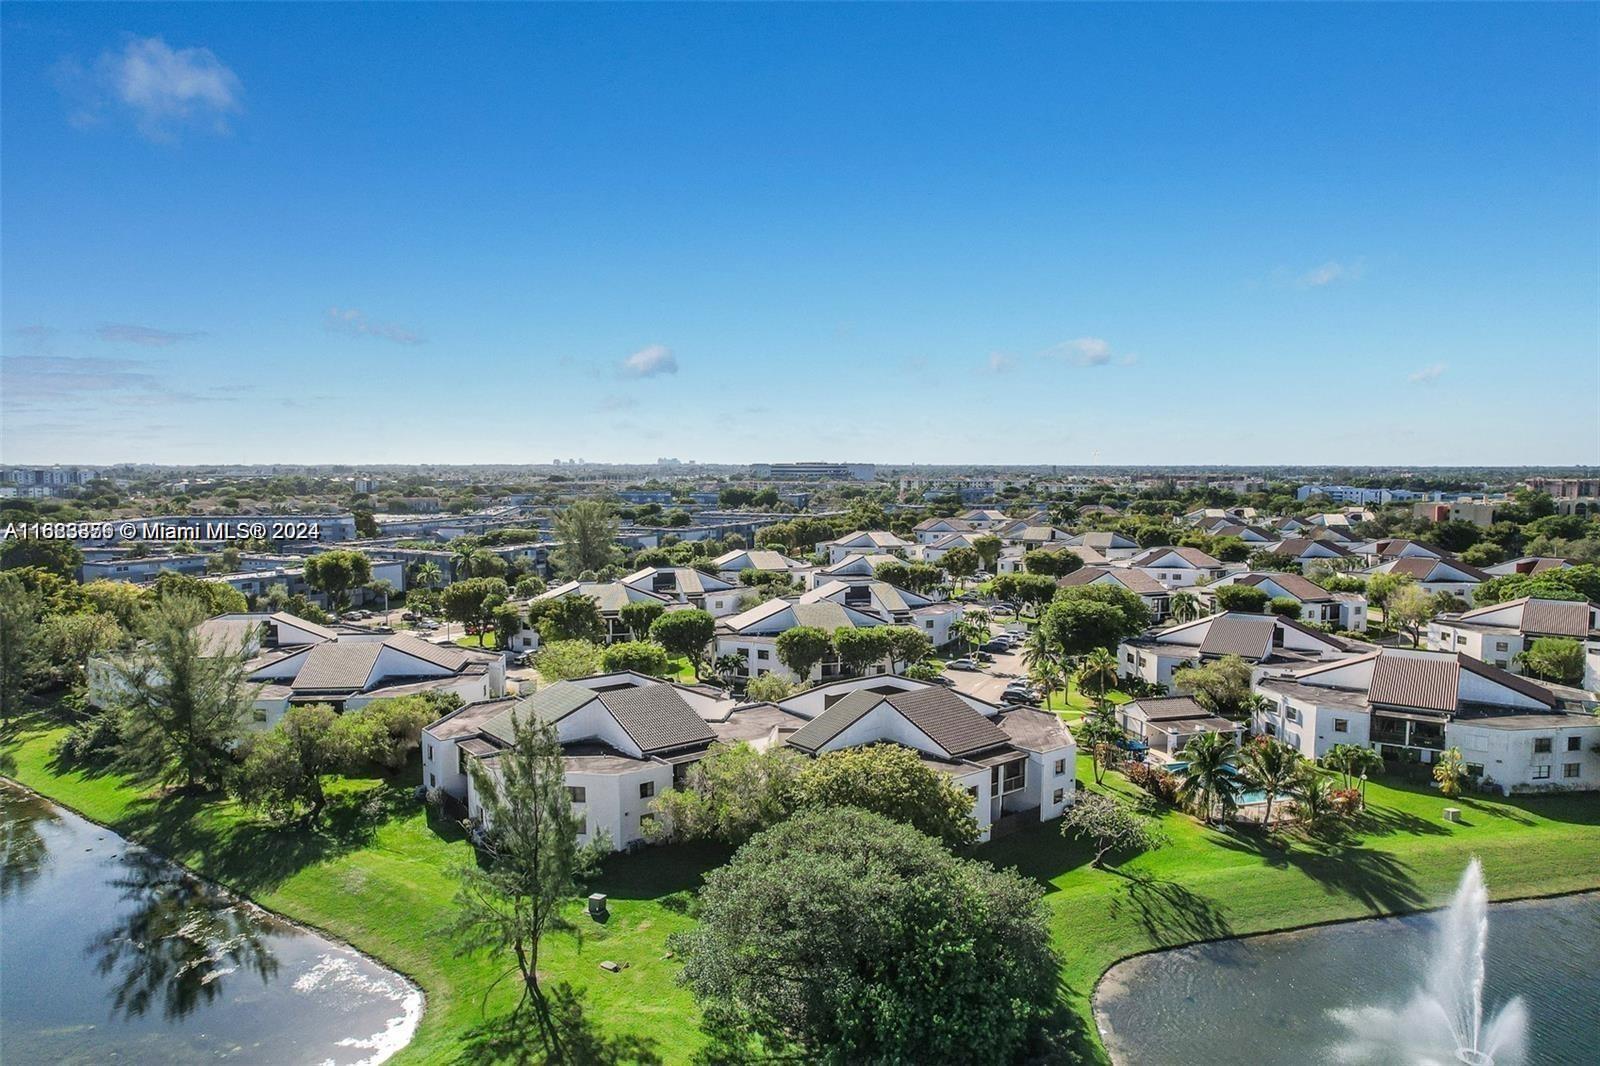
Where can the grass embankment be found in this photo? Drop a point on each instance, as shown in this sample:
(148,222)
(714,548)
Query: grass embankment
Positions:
(380,877)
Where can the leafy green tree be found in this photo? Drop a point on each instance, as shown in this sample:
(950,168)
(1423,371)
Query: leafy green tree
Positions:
(686,633)
(802,648)
(1051,563)
(1210,785)
(1246,599)
(1270,766)
(384,732)
(1098,734)
(960,564)
(769,688)
(731,794)
(570,617)
(563,660)
(988,549)
(60,557)
(972,967)
(121,601)
(22,659)
(472,602)
(336,573)
(920,578)
(640,656)
(1381,587)
(908,645)
(283,768)
(1078,626)
(530,586)
(640,615)
(530,865)
(70,639)
(860,648)
(1110,824)
(1221,686)
(893,781)
(181,700)
(214,596)
(1097,674)
(1557,659)
(1285,607)
(1409,609)
(586,534)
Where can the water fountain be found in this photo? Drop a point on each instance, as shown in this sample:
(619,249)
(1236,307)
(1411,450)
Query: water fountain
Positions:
(1443,1022)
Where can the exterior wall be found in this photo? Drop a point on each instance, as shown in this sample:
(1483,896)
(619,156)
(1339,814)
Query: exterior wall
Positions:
(1496,649)
(1311,728)
(1149,665)
(1508,758)
(1045,781)
(441,766)
(612,805)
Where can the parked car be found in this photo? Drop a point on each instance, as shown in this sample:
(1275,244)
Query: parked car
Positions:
(408,616)
(961,664)
(997,645)
(942,679)
(1012,695)
(983,656)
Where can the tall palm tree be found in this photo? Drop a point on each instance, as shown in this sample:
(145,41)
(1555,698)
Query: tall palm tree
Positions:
(1363,763)
(1271,766)
(1184,607)
(464,561)
(428,574)
(1097,674)
(1210,783)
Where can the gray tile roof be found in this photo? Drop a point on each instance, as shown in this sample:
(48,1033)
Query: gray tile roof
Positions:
(1246,635)
(335,666)
(1168,708)
(948,720)
(1194,557)
(1301,588)
(1568,618)
(835,720)
(657,717)
(549,704)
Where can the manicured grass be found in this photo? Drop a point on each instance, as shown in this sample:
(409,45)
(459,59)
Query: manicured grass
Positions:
(680,669)
(380,877)
(483,640)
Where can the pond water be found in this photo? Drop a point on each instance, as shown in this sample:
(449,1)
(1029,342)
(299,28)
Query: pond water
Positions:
(1289,998)
(109,953)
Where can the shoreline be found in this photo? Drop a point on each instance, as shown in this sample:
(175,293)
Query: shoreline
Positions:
(306,927)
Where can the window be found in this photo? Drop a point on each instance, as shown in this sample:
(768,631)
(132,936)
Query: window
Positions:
(433,782)
(577,794)
(430,752)
(1059,795)
(461,761)
(1474,770)
(1541,773)
(763,653)
(1461,638)
(1341,725)
(1293,714)
(1574,743)
(1501,645)
(258,715)
(1272,730)
(1571,769)
(1541,745)
(1061,767)
(973,792)
(647,789)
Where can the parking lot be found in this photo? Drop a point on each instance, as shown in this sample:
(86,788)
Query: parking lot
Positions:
(988,683)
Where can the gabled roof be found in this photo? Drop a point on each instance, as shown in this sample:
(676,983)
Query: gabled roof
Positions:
(336,667)
(863,562)
(657,717)
(1135,581)
(954,525)
(1192,556)
(823,615)
(1248,636)
(687,579)
(876,537)
(893,599)
(938,713)
(1567,618)
(609,596)
(1101,540)
(1301,588)
(757,559)
(1423,568)
(1427,684)
(550,704)
(1168,708)
(1298,546)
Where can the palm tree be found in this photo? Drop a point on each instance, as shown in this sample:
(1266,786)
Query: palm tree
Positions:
(1271,766)
(428,574)
(1450,769)
(1039,656)
(1210,783)
(1097,674)
(464,561)
(385,589)
(1095,734)
(1184,607)
(1363,763)
(1313,798)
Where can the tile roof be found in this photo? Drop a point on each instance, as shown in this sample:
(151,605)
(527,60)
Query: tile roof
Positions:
(947,720)
(657,717)
(1136,581)
(1568,618)
(550,704)
(1169,708)
(1298,546)
(1301,588)
(834,720)
(335,666)
(1246,635)
(1426,683)
(758,559)
(1193,556)
(609,596)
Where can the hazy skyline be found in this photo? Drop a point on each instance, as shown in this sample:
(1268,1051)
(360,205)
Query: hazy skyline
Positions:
(1343,235)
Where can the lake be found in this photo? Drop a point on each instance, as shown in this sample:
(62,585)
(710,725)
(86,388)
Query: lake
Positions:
(109,953)
(1267,1000)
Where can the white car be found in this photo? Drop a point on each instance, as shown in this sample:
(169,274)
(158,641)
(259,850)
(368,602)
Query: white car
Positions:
(961,664)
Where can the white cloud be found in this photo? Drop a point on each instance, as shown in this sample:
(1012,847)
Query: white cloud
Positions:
(648,362)
(160,88)
(355,322)
(1084,351)
(1000,363)
(1328,273)
(1430,373)
(146,335)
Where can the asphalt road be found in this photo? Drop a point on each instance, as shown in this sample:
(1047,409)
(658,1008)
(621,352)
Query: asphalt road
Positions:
(987,684)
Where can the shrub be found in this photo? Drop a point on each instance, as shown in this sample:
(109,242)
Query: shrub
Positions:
(91,738)
(1157,782)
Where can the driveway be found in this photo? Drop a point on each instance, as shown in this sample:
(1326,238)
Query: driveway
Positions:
(987,684)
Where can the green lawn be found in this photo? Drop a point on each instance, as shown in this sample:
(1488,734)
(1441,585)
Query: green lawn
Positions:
(380,878)
(482,640)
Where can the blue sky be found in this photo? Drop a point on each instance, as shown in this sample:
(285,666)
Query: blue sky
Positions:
(1042,234)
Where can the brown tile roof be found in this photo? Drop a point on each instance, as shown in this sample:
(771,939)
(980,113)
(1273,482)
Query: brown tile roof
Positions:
(1507,679)
(1193,556)
(1301,588)
(1568,618)
(1298,546)
(1427,683)
(1136,581)
(1246,635)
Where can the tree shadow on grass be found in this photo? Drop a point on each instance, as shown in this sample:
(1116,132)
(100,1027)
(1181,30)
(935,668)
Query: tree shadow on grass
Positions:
(1376,879)
(1037,852)
(659,871)
(514,1037)
(253,855)
(1168,912)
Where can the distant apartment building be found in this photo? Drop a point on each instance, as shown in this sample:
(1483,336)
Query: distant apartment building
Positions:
(1356,494)
(823,471)
(1481,511)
